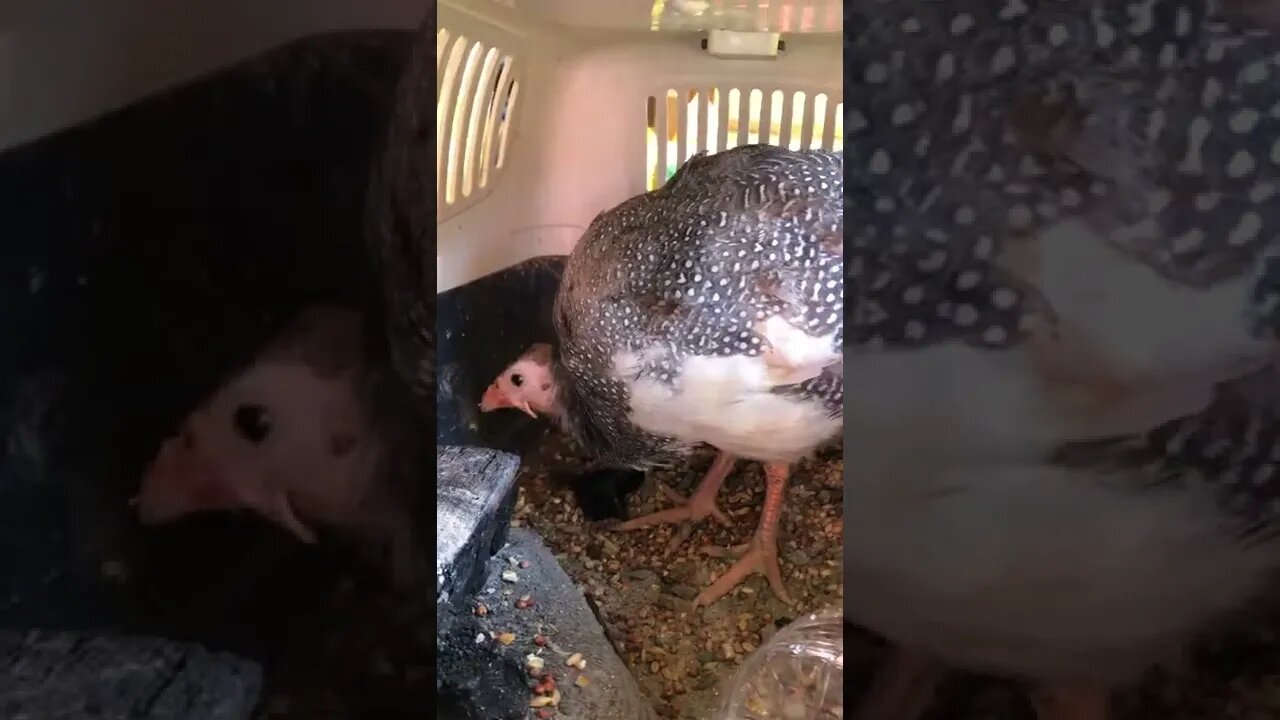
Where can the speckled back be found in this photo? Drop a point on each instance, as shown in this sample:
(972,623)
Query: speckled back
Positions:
(688,269)
(973,125)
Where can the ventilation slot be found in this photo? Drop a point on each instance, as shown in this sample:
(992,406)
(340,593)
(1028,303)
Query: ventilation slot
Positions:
(476,93)
(682,123)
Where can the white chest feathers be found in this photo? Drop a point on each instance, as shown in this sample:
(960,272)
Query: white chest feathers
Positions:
(1143,325)
(730,403)
(1159,346)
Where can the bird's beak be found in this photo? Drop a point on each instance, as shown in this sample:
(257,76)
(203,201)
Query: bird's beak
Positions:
(176,485)
(277,508)
(494,399)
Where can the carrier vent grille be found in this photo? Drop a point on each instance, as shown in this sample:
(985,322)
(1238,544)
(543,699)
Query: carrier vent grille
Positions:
(681,123)
(476,92)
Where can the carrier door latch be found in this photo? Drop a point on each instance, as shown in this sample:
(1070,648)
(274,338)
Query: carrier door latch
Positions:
(741,44)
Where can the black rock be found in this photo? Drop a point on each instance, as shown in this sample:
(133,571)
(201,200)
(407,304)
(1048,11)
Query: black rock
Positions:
(475,496)
(64,675)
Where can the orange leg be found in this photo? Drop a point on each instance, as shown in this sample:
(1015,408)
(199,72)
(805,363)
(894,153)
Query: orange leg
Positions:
(902,689)
(689,511)
(760,554)
(1072,701)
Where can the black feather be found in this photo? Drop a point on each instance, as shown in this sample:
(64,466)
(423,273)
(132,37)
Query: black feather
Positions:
(602,494)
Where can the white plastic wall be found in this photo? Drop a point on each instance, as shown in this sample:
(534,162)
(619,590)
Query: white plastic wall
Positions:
(66,61)
(576,143)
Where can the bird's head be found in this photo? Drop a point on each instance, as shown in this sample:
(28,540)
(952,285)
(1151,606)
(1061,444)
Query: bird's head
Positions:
(285,434)
(224,458)
(528,384)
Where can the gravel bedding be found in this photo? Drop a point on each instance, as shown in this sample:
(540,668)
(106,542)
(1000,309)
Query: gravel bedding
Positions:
(682,657)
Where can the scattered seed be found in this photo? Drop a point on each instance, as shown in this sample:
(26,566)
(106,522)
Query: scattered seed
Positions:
(510,576)
(481,610)
(524,603)
(506,638)
(673,659)
(524,564)
(539,640)
(543,714)
(581,681)
(541,701)
(533,663)
(573,660)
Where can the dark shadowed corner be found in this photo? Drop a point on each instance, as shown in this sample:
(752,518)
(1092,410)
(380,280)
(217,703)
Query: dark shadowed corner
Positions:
(154,252)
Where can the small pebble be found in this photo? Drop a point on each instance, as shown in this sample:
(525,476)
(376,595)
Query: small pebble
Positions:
(683,591)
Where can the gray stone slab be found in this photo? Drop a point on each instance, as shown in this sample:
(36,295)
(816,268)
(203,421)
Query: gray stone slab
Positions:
(475,495)
(65,676)
(563,616)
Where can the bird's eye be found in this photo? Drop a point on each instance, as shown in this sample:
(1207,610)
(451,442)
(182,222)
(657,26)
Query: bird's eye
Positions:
(517,379)
(252,422)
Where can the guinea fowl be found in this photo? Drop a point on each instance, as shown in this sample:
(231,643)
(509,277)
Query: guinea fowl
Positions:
(707,311)
(1064,225)
(288,437)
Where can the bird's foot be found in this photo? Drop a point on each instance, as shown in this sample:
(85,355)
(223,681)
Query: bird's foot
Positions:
(758,555)
(686,512)
(1072,701)
(689,511)
(902,688)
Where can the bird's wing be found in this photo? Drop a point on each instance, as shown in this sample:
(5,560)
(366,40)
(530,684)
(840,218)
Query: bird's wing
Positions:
(1227,448)
(737,258)
(740,254)
(1153,123)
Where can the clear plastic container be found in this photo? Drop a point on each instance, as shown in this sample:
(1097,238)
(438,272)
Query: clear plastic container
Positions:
(797,675)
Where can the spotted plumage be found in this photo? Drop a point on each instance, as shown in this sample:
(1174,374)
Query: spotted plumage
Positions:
(1231,449)
(694,269)
(1063,299)
(978,124)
